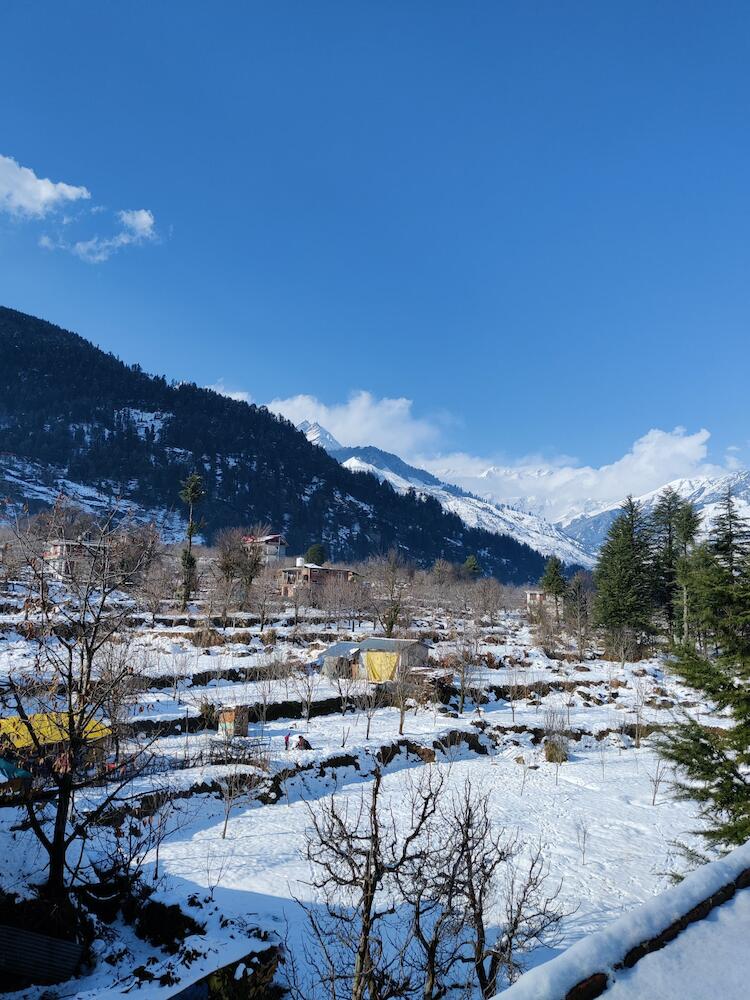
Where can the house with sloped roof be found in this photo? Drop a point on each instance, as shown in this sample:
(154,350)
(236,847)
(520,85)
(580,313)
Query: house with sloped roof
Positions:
(272,547)
(377,659)
(304,574)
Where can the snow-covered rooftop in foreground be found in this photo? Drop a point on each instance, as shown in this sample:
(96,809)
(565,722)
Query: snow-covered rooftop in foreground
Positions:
(707,959)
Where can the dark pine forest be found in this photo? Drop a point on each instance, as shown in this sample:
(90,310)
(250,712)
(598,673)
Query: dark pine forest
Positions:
(66,404)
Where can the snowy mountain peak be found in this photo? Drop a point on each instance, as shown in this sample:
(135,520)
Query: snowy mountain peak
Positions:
(501,519)
(590,528)
(318,435)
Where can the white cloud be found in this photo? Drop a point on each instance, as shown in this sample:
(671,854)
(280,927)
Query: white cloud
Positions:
(22,193)
(387,423)
(238,394)
(561,489)
(138,226)
(138,221)
(26,196)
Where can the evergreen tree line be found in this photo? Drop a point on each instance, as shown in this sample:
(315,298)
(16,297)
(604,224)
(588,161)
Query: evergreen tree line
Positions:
(660,581)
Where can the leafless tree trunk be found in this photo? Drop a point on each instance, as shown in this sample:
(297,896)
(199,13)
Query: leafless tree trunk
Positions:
(305,681)
(356,856)
(389,582)
(368,700)
(81,616)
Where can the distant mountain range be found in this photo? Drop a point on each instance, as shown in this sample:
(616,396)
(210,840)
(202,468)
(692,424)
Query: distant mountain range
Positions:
(576,538)
(501,519)
(76,420)
(590,530)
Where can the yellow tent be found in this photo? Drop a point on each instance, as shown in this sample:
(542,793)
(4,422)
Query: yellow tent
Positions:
(380,666)
(49,727)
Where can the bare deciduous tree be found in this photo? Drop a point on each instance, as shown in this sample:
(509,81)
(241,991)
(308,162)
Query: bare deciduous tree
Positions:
(409,908)
(355,855)
(264,594)
(80,573)
(157,586)
(389,583)
(577,609)
(368,699)
(305,681)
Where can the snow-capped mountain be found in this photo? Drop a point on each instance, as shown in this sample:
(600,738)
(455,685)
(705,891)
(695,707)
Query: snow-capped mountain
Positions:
(318,435)
(500,519)
(590,530)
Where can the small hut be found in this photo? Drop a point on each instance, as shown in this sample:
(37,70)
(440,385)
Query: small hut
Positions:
(233,722)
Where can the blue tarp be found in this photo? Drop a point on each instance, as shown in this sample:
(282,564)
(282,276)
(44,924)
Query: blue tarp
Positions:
(11,771)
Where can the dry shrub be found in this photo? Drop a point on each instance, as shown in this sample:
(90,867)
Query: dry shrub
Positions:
(555,750)
(208,713)
(205,637)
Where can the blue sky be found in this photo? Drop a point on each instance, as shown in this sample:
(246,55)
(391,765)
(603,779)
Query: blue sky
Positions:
(514,229)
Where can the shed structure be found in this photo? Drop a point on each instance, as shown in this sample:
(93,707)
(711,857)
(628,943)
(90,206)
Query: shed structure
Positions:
(377,659)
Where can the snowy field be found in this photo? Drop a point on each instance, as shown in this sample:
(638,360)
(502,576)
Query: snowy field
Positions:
(605,819)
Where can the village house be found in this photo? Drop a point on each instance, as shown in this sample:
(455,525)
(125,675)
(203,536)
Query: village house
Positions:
(376,659)
(71,558)
(537,601)
(273,547)
(304,574)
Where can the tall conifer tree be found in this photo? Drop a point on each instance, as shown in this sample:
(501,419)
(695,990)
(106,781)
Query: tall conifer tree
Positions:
(553,583)
(624,600)
(714,762)
(191,494)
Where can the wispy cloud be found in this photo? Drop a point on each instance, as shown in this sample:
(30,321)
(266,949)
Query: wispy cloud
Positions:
(388,422)
(136,226)
(238,394)
(27,197)
(23,194)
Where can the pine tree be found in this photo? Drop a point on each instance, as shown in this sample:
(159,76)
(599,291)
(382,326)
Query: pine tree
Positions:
(714,761)
(553,583)
(687,527)
(730,536)
(670,521)
(191,494)
(316,554)
(624,599)
(471,567)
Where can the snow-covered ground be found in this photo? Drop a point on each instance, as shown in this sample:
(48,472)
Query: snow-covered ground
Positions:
(249,883)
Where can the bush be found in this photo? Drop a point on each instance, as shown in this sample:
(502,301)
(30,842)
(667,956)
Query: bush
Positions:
(556,750)
(269,637)
(165,926)
(205,637)
(208,713)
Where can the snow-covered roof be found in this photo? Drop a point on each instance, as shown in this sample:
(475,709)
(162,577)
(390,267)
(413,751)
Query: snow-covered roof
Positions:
(386,644)
(340,649)
(266,539)
(602,953)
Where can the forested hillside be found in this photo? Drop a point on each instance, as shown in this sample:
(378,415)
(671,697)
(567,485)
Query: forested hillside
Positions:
(67,404)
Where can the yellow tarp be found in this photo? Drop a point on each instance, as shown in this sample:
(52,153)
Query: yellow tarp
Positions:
(380,666)
(49,727)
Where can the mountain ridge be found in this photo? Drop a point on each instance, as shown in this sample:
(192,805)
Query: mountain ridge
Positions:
(705,492)
(474,511)
(71,413)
